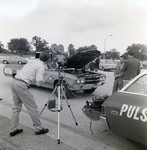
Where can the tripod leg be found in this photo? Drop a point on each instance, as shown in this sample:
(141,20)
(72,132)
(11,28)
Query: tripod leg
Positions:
(48,100)
(58,141)
(69,105)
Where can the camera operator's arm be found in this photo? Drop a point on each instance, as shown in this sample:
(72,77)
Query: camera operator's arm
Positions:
(39,83)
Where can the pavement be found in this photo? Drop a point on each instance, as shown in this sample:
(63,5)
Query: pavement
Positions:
(70,138)
(27,140)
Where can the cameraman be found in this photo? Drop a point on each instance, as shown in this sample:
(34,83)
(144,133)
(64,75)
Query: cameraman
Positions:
(32,71)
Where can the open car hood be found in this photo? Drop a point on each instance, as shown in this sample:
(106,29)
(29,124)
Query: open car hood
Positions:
(80,59)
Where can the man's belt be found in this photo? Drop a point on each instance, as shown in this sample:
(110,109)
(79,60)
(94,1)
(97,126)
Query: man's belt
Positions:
(22,81)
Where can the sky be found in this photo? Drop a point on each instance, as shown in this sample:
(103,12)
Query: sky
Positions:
(80,22)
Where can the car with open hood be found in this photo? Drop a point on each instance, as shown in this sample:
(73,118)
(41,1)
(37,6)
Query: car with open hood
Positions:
(75,76)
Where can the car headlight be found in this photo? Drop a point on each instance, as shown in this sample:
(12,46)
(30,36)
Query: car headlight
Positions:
(80,80)
(103,77)
(103,110)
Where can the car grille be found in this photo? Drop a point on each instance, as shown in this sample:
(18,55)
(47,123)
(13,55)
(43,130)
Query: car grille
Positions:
(90,79)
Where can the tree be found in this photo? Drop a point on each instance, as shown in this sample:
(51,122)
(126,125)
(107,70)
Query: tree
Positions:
(1,47)
(139,50)
(93,47)
(39,44)
(112,54)
(84,48)
(19,46)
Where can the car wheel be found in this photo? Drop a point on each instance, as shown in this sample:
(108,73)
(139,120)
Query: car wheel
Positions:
(5,62)
(89,91)
(103,69)
(65,90)
(19,62)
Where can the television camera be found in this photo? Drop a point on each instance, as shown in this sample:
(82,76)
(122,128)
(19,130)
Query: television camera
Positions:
(56,54)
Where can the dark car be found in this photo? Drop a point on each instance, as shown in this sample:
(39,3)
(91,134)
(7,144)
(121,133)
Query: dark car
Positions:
(75,77)
(125,112)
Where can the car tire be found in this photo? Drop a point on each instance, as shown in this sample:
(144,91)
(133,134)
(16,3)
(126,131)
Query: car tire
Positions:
(103,69)
(89,91)
(5,62)
(19,62)
(66,91)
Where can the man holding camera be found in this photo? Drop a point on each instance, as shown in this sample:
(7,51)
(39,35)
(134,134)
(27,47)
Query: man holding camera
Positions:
(32,71)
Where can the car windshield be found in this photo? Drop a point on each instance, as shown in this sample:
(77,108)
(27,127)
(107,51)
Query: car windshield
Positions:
(139,86)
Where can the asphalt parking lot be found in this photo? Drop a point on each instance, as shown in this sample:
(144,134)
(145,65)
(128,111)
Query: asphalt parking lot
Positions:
(72,137)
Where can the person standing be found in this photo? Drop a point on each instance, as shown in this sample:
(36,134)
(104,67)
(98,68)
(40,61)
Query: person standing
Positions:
(33,71)
(71,50)
(118,74)
(131,67)
(91,66)
(96,65)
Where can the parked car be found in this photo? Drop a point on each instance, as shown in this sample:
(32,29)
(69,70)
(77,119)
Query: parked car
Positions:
(125,112)
(14,60)
(144,64)
(75,77)
(107,64)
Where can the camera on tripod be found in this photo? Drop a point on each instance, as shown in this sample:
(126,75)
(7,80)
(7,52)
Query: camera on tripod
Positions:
(56,54)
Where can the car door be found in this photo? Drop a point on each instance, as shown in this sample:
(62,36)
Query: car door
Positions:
(12,59)
(127,110)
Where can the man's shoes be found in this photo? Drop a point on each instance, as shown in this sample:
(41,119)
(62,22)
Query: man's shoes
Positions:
(16,132)
(42,131)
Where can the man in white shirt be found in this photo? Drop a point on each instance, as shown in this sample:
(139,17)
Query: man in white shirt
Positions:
(32,71)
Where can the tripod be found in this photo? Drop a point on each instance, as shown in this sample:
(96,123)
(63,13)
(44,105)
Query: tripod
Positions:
(59,88)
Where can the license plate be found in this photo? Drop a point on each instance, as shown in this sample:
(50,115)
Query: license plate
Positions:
(8,71)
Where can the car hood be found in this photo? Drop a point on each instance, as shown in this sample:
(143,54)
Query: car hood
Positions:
(80,59)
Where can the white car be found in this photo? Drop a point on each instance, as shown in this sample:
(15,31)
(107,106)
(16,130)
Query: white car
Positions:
(14,60)
(75,77)
(107,64)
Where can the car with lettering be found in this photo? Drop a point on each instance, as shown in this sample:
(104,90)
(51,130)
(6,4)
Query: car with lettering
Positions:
(125,112)
(75,76)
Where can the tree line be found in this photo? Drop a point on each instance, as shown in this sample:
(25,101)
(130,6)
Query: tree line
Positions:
(21,46)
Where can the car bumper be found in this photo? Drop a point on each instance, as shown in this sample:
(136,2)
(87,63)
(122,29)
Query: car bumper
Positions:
(77,87)
(104,122)
(109,68)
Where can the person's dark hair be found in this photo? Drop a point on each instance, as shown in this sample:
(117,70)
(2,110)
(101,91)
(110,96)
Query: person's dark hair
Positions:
(44,56)
(125,55)
(131,52)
